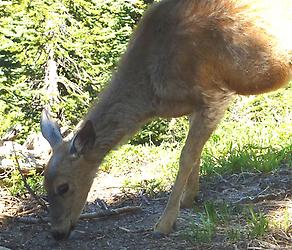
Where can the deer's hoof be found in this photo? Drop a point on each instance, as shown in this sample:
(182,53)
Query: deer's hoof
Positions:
(158,235)
(162,229)
(187,204)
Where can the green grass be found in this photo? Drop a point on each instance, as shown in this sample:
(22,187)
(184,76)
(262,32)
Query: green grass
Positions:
(16,186)
(257,222)
(233,223)
(256,134)
(205,228)
(147,169)
(234,234)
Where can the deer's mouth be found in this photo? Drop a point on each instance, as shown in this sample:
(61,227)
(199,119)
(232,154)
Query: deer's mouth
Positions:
(62,235)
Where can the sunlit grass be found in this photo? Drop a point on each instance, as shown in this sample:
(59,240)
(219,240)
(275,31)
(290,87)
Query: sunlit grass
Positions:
(256,134)
(281,218)
(234,223)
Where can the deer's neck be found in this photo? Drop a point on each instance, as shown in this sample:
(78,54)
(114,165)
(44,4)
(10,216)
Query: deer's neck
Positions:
(118,114)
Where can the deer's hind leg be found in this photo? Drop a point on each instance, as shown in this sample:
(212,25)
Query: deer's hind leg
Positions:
(202,124)
(192,184)
(192,187)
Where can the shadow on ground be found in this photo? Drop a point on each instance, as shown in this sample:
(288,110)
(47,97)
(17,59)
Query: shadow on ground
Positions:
(266,192)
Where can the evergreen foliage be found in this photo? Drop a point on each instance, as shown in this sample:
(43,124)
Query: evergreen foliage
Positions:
(84,39)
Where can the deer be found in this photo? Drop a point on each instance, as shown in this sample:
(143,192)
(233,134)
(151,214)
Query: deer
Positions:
(185,58)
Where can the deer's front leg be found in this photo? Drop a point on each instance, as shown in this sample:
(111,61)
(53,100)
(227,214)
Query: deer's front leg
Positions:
(200,130)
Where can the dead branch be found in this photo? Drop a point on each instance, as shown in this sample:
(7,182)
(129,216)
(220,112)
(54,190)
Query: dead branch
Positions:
(32,193)
(111,212)
(95,215)
(144,199)
(135,231)
(260,197)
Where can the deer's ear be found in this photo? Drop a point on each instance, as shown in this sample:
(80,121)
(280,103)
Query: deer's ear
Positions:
(50,129)
(84,139)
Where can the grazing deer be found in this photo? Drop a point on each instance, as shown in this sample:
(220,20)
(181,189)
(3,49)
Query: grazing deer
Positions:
(186,57)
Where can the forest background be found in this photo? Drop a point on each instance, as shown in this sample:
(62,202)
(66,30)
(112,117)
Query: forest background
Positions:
(61,54)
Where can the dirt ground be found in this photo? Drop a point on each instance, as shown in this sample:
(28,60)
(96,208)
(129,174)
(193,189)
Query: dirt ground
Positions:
(267,192)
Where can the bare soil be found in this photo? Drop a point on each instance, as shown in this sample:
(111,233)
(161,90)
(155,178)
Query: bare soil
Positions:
(270,193)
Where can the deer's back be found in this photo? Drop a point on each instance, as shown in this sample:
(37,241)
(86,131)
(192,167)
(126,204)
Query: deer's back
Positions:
(241,46)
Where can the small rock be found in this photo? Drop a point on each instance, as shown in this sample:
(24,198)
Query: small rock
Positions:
(6,163)
(37,143)
(7,148)
(4,248)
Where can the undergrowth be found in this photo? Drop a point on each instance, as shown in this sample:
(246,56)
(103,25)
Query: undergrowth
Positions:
(233,222)
(16,186)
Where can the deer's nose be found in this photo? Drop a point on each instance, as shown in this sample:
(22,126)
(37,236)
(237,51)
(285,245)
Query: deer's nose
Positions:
(60,235)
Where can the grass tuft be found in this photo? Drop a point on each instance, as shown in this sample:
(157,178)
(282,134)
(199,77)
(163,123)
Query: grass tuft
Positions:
(257,222)
(215,220)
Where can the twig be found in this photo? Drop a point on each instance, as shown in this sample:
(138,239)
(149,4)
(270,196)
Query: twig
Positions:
(254,248)
(144,199)
(37,198)
(135,231)
(111,212)
(102,204)
(125,229)
(95,215)
(30,211)
(259,197)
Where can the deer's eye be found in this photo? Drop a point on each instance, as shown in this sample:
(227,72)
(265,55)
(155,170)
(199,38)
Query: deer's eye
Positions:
(62,189)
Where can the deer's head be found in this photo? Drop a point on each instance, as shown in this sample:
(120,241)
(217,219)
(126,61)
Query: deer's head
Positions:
(68,175)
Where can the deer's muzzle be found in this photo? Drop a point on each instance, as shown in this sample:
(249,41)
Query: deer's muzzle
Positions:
(61,235)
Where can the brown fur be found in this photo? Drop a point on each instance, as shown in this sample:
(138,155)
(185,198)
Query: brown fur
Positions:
(185,58)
